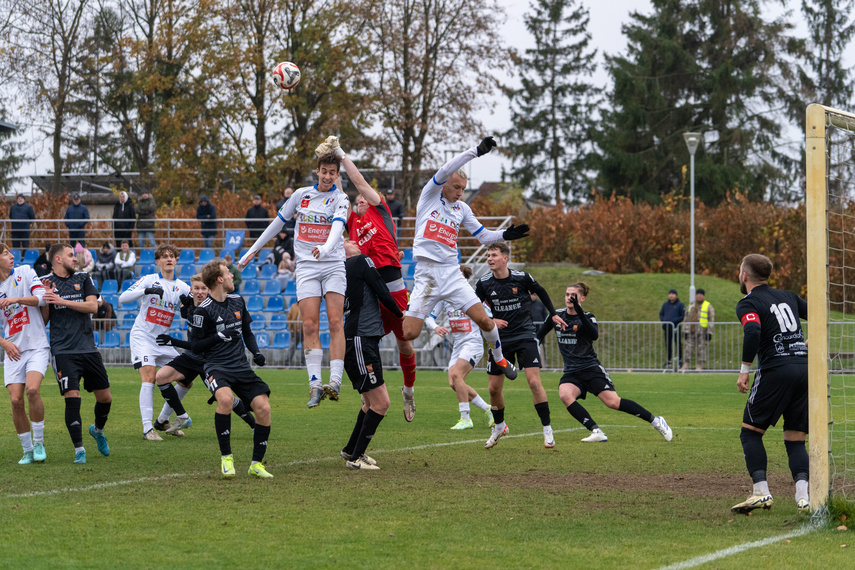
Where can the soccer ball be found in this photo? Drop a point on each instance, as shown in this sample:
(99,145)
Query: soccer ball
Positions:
(286,75)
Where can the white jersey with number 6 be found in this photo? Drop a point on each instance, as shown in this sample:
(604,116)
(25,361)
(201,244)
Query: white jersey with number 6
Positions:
(156,314)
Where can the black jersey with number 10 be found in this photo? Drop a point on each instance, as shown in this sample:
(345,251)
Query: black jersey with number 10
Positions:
(778,313)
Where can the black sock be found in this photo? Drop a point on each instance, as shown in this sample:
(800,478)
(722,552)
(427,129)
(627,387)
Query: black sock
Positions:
(73,421)
(633,409)
(102,410)
(542,410)
(259,442)
(170,394)
(755,454)
(223,425)
(369,426)
(581,415)
(498,414)
(354,435)
(798,458)
(243,412)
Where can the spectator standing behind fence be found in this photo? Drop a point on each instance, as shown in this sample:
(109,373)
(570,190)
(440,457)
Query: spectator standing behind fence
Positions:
(126,258)
(21,210)
(673,311)
(123,218)
(206,213)
(257,218)
(697,331)
(146,210)
(396,208)
(75,220)
(285,195)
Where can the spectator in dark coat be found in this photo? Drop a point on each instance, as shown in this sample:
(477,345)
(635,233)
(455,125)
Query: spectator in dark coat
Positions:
(76,215)
(396,208)
(105,263)
(206,213)
(146,210)
(124,217)
(257,218)
(671,314)
(21,210)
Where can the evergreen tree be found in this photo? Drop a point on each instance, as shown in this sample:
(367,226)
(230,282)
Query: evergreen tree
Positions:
(553,109)
(11,158)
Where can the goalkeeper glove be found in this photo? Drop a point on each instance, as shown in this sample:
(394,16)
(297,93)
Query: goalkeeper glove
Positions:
(515,232)
(485,146)
(164,340)
(186,305)
(259,359)
(154,291)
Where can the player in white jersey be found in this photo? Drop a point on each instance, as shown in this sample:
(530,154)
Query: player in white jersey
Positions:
(467,351)
(320,212)
(160,294)
(439,216)
(27,351)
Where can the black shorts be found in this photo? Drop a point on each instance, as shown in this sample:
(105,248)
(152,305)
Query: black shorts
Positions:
(245,384)
(594,380)
(70,368)
(362,362)
(187,366)
(521,353)
(780,391)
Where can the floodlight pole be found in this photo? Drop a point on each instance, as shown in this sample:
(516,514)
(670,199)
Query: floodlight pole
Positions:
(692,142)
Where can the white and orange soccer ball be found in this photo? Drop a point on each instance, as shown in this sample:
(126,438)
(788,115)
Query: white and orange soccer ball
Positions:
(286,75)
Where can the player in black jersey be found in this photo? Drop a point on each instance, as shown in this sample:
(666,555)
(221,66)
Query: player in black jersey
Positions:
(186,366)
(772,332)
(363,329)
(508,293)
(583,372)
(220,329)
(70,301)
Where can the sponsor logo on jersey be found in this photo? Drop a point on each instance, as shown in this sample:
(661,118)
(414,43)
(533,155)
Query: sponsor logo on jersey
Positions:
(328,201)
(304,203)
(436,215)
(493,293)
(237,315)
(514,290)
(18,322)
(313,233)
(575,328)
(77,286)
(461,325)
(197,321)
(219,319)
(159,317)
(456,206)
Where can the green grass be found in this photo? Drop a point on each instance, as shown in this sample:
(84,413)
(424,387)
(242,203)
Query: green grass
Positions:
(441,500)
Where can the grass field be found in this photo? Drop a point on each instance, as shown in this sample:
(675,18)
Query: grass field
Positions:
(440,501)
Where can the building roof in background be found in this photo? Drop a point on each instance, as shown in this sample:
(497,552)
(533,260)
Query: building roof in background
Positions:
(7,127)
(93,188)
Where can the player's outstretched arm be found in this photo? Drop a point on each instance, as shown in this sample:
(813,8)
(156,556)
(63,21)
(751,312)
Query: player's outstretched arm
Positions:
(271,232)
(166,340)
(456,163)
(331,144)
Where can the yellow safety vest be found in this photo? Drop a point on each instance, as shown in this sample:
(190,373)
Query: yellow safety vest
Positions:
(704,317)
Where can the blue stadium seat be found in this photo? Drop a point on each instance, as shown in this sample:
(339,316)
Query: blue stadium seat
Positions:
(279,321)
(109,287)
(255,304)
(96,283)
(325,340)
(187,256)
(275,304)
(262,255)
(97,336)
(408,256)
(146,257)
(249,272)
(250,287)
(16,256)
(148,269)
(185,272)
(225,252)
(262,339)
(126,284)
(126,341)
(272,287)
(256,326)
(206,255)
(111,340)
(112,299)
(267,272)
(127,322)
(30,256)
(132,306)
(281,340)
(290,288)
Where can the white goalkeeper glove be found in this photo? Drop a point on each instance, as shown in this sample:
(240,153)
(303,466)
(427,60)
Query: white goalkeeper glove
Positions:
(331,144)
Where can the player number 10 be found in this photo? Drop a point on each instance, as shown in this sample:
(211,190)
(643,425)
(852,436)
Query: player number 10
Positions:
(786,320)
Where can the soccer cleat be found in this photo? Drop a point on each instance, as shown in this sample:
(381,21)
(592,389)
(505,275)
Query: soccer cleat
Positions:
(490,421)
(258,470)
(331,391)
(100,440)
(495,435)
(409,406)
(597,435)
(548,438)
(803,506)
(162,426)
(751,503)
(39,453)
(362,464)
(175,429)
(151,435)
(27,458)
(662,427)
(315,397)
(463,423)
(227,466)
(346,456)
(80,456)
(508,368)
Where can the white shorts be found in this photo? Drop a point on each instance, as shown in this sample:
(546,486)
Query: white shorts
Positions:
(468,348)
(34,360)
(437,282)
(146,352)
(318,279)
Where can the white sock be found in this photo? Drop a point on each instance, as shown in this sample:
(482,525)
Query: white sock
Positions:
(761,488)
(26,441)
(409,391)
(336,371)
(479,402)
(492,338)
(165,413)
(314,359)
(500,427)
(182,391)
(464,410)
(76,449)
(801,490)
(184,416)
(146,404)
(547,430)
(38,431)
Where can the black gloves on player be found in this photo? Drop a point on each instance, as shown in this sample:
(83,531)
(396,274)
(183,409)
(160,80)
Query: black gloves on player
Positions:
(259,359)
(485,146)
(154,291)
(515,232)
(186,305)
(575,300)
(164,340)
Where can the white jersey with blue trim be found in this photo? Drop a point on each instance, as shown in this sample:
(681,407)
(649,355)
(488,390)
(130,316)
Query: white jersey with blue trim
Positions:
(23,325)
(156,314)
(462,328)
(314,212)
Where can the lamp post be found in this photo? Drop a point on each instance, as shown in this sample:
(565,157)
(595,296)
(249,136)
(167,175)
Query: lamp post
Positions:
(692,142)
